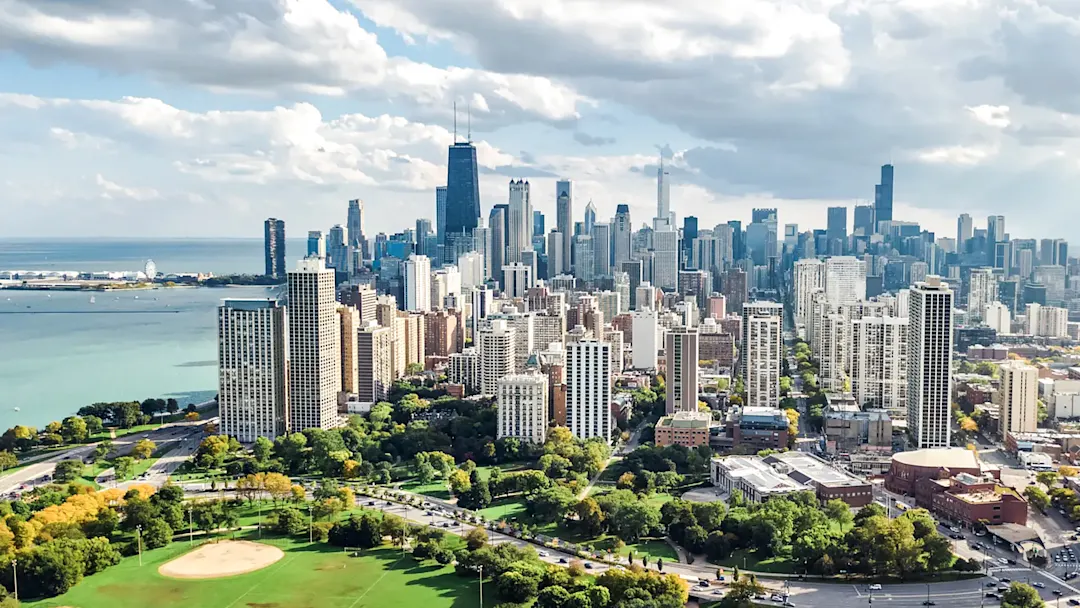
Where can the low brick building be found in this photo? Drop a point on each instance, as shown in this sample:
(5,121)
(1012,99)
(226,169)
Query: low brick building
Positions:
(971,499)
(757,428)
(828,482)
(688,429)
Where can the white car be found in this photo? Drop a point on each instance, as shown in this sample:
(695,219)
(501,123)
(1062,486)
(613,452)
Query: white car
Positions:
(954,530)
(1038,585)
(875,587)
(776,597)
(1002,560)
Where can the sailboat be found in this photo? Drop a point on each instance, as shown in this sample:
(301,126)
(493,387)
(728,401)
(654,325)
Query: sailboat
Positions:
(92,300)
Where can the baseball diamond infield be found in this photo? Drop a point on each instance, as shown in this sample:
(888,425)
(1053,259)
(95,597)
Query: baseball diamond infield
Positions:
(221,559)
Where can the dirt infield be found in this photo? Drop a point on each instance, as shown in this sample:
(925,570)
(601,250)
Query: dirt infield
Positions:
(225,558)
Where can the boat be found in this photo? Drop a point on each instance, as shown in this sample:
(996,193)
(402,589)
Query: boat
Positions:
(92,300)
(17,409)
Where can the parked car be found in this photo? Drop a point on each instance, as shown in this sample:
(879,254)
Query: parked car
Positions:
(875,587)
(1038,585)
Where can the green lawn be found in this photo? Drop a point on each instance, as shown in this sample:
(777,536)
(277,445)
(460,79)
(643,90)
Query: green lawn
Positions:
(309,576)
(437,488)
(750,561)
(653,548)
(504,508)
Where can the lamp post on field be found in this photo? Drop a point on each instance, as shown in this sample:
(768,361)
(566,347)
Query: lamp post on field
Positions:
(15,577)
(138,534)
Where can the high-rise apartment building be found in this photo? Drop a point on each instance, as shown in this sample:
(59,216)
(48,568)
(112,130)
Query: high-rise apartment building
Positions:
(556,262)
(762,353)
(464,368)
(523,407)
(646,342)
(496,344)
(601,242)
(252,394)
(809,277)
(274,247)
(517,279)
(845,279)
(363,299)
(584,263)
(418,283)
(666,260)
(930,342)
(681,351)
(996,315)
(374,362)
(1019,398)
(622,235)
(588,390)
(482,306)
(316,245)
(348,325)
(734,288)
(982,290)
(337,248)
(314,347)
(440,220)
(879,355)
(663,199)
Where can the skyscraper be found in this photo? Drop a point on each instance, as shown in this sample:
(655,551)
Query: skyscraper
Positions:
(564,218)
(964,229)
(666,260)
(738,240)
(761,353)
(982,290)
(588,391)
(418,283)
(440,220)
(837,228)
(348,325)
(314,347)
(462,193)
(689,233)
(584,262)
(622,235)
(601,242)
(663,198)
(337,248)
(316,246)
(374,362)
(864,220)
(497,347)
(497,226)
(809,278)
(538,223)
(274,247)
(845,279)
(1019,398)
(556,262)
(681,349)
(879,363)
(519,231)
(930,341)
(883,196)
(251,369)
(355,225)
(590,218)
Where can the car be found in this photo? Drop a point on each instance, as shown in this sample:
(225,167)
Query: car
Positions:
(954,530)
(1074,602)
(1038,585)
(929,603)
(1002,560)
(956,536)
(1057,592)
(992,596)
(718,592)
(1006,580)
(776,597)
(371,503)
(562,560)
(720,579)
(1002,589)
(542,553)
(588,565)
(875,587)
(1011,562)
(991,584)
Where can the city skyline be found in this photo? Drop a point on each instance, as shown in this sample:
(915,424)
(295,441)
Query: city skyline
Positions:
(170,140)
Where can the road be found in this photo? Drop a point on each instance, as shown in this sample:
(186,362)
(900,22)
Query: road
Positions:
(38,473)
(955,594)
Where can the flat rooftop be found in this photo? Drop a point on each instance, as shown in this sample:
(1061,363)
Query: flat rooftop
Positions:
(686,420)
(806,468)
(951,458)
(755,472)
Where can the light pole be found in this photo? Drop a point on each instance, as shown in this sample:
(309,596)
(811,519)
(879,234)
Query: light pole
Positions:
(15,577)
(310,524)
(481,586)
(190,526)
(927,594)
(138,534)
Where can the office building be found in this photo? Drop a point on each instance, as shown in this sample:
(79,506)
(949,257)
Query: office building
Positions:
(663,217)
(497,345)
(374,362)
(688,429)
(883,196)
(930,341)
(809,278)
(519,233)
(523,407)
(462,196)
(588,390)
(964,231)
(762,352)
(314,347)
(316,246)
(622,235)
(836,232)
(681,351)
(556,263)
(666,260)
(355,226)
(751,428)
(252,394)
(418,283)
(517,279)
(337,248)
(564,219)
(482,306)
(1019,407)
(863,223)
(601,243)
(274,247)
(845,279)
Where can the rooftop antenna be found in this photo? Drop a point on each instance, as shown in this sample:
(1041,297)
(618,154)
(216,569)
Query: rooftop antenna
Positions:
(468,114)
(455,122)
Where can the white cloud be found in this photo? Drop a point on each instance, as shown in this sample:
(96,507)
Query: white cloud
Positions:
(957,155)
(994,116)
(113,191)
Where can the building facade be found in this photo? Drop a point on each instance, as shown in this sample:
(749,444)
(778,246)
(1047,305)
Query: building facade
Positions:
(588,390)
(314,347)
(523,407)
(929,377)
(252,393)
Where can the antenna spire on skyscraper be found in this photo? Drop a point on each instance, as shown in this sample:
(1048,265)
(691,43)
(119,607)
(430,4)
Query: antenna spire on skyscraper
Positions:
(468,114)
(455,122)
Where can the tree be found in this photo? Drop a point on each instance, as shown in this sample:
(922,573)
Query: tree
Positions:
(288,521)
(591,516)
(156,534)
(68,470)
(102,449)
(839,511)
(278,486)
(459,482)
(1066,471)
(476,538)
(1037,498)
(93,425)
(191,416)
(73,429)
(550,504)
(1047,478)
(1019,595)
(262,449)
(124,467)
(143,449)
(7,460)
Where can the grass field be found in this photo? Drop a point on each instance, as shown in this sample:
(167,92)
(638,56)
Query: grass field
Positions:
(437,488)
(309,576)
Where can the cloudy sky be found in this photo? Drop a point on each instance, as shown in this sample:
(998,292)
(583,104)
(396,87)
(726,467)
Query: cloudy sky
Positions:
(203,117)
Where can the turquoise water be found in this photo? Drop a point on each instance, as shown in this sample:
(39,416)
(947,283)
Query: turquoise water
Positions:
(64,352)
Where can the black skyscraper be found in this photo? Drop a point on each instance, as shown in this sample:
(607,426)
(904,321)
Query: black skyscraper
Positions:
(883,195)
(689,233)
(462,192)
(274,247)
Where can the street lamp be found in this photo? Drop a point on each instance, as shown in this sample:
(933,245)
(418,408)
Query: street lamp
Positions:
(15,577)
(310,525)
(481,586)
(138,534)
(191,527)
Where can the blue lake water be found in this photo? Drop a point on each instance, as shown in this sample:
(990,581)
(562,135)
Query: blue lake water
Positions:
(60,351)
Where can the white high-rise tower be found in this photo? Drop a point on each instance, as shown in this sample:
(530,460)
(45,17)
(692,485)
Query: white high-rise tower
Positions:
(251,369)
(588,390)
(519,237)
(930,341)
(418,283)
(314,346)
